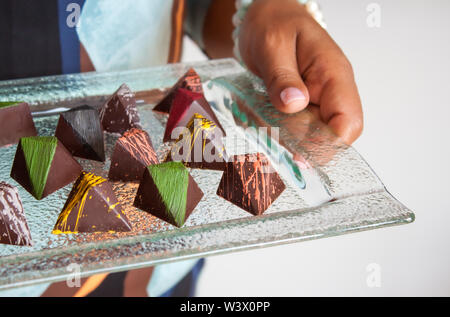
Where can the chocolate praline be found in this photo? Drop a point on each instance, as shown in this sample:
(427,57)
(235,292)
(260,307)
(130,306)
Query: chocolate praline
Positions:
(190,81)
(251,183)
(14,229)
(16,122)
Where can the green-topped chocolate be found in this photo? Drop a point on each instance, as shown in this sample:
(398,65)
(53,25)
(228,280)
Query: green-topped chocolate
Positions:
(168,192)
(15,122)
(4,104)
(173,193)
(43,165)
(38,153)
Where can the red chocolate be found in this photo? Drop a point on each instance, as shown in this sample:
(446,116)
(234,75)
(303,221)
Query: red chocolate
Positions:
(190,81)
(184,106)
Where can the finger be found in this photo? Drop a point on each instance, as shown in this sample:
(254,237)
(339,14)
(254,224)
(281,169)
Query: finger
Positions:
(279,69)
(340,107)
(330,81)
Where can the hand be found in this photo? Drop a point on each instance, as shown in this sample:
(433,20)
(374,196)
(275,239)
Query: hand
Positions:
(301,64)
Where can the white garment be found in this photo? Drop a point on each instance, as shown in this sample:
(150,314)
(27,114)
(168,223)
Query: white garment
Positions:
(122,35)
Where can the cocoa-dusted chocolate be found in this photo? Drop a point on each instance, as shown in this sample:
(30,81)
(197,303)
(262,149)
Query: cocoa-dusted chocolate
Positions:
(250,182)
(190,81)
(120,113)
(169,192)
(81,133)
(185,104)
(42,165)
(133,152)
(202,147)
(15,122)
(91,206)
(13,224)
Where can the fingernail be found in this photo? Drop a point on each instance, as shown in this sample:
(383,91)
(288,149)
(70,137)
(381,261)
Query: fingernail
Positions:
(292,95)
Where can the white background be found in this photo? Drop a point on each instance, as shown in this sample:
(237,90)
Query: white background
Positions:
(402,71)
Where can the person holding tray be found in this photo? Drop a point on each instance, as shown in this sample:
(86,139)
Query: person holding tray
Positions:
(282,41)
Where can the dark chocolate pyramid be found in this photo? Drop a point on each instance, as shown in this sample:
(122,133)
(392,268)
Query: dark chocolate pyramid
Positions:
(13,224)
(250,182)
(202,147)
(15,122)
(120,113)
(43,165)
(190,81)
(168,192)
(132,154)
(92,206)
(81,133)
(185,104)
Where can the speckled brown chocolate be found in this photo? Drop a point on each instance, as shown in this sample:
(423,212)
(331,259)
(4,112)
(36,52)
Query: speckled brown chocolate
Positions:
(120,113)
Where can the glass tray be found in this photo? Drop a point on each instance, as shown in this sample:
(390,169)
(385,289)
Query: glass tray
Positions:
(330,189)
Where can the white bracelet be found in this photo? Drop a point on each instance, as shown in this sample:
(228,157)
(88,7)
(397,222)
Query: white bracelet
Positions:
(242,6)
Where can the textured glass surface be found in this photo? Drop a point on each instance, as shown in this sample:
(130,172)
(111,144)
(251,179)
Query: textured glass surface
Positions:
(330,189)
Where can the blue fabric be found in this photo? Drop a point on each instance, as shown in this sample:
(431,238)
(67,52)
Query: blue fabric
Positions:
(68,12)
(188,285)
(182,285)
(166,276)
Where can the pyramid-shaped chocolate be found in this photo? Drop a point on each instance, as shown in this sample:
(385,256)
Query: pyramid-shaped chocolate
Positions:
(185,104)
(202,147)
(81,133)
(43,165)
(13,224)
(250,182)
(190,81)
(92,206)
(120,113)
(132,154)
(15,122)
(168,192)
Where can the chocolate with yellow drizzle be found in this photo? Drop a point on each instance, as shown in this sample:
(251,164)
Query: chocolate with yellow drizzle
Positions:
(202,147)
(91,207)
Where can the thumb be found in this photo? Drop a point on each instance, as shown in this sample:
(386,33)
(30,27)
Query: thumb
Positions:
(279,70)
